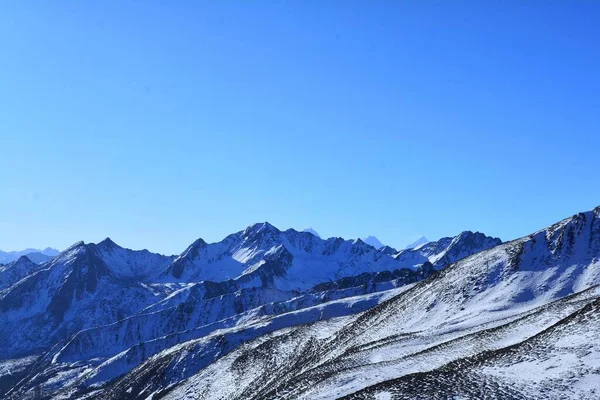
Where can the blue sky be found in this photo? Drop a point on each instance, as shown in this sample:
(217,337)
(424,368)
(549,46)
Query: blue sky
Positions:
(157,122)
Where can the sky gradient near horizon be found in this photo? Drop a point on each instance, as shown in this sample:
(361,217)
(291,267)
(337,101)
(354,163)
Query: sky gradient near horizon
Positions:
(156,122)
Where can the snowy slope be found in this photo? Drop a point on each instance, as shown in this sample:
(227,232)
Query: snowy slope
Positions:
(560,362)
(75,290)
(16,270)
(125,263)
(266,368)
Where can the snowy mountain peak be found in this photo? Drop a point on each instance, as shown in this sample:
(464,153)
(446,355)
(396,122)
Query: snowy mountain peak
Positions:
(358,241)
(15,271)
(448,249)
(469,239)
(390,251)
(311,230)
(260,228)
(373,241)
(74,246)
(193,250)
(419,242)
(199,243)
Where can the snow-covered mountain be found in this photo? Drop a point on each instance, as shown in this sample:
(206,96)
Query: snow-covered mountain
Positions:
(16,270)
(84,286)
(511,321)
(35,255)
(420,241)
(373,241)
(311,230)
(262,255)
(108,308)
(447,250)
(390,251)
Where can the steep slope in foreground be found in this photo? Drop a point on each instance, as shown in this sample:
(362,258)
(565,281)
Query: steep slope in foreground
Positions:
(255,369)
(562,361)
(486,302)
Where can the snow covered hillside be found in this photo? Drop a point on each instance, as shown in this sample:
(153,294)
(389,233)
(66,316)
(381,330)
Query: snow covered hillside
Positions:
(508,322)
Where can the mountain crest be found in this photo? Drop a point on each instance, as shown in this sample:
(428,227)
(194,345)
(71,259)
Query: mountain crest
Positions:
(108,243)
(74,246)
(373,241)
(390,251)
(419,242)
(23,260)
(260,228)
(311,230)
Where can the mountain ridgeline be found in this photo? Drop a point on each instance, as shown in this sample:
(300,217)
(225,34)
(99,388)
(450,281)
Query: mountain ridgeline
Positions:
(268,314)
(35,255)
(91,285)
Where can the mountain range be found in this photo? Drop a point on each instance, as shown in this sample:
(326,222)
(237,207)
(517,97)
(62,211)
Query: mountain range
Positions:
(35,255)
(268,314)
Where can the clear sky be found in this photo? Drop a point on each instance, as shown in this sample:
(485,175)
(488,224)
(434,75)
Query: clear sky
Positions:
(158,122)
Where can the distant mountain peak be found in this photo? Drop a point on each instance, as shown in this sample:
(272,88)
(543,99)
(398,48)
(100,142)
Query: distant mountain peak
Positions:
(49,251)
(373,241)
(23,259)
(419,242)
(193,249)
(311,230)
(34,255)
